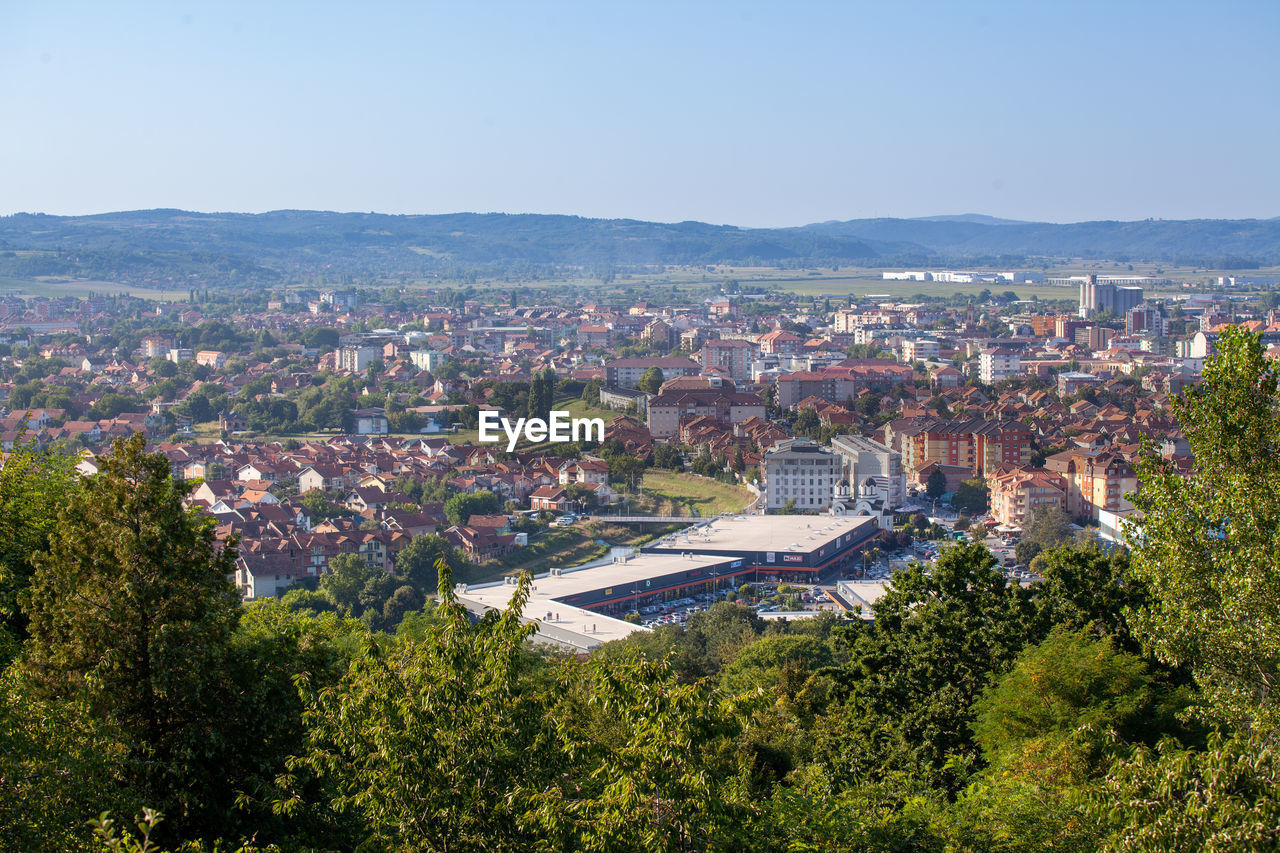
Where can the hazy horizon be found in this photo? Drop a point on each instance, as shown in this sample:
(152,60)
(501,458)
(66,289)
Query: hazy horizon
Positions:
(937,216)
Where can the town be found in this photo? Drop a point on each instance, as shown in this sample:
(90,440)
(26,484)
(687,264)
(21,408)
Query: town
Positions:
(323,423)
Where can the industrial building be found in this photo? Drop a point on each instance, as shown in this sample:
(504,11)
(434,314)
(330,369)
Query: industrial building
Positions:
(1107,294)
(580,608)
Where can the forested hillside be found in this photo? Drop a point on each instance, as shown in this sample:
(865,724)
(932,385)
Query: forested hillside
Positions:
(289,245)
(1222,243)
(1127,703)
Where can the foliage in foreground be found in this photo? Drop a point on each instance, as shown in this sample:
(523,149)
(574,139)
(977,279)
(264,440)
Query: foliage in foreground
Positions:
(1125,704)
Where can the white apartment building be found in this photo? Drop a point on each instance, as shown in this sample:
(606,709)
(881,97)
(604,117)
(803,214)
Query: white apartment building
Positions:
(355,359)
(920,349)
(797,469)
(995,365)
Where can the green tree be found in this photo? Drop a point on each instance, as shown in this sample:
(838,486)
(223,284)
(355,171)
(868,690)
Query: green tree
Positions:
(936,486)
(164,368)
(318,506)
(650,381)
(416,562)
(625,471)
(1220,798)
(770,660)
(460,508)
(132,612)
(344,581)
(1068,688)
(391,748)
(807,421)
(972,496)
(112,404)
(34,487)
(906,711)
(58,763)
(1208,546)
(658,770)
(1085,588)
(1049,730)
(1045,527)
(542,390)
(668,456)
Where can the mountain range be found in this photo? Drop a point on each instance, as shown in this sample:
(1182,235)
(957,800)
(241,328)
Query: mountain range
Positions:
(289,244)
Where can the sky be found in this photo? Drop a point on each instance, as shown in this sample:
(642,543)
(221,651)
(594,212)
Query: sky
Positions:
(742,113)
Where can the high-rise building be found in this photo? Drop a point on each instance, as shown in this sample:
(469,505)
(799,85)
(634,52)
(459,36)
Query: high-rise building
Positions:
(1146,318)
(997,364)
(731,356)
(796,469)
(354,359)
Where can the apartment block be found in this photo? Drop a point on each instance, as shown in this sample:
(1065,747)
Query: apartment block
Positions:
(919,349)
(997,364)
(665,411)
(1018,494)
(975,444)
(732,356)
(840,382)
(799,470)
(355,359)
(1096,480)
(626,372)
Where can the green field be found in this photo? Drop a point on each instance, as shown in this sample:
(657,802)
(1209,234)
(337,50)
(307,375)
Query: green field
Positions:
(667,490)
(55,287)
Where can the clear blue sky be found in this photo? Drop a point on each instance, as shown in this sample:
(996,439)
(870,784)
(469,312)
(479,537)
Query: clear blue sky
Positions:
(737,112)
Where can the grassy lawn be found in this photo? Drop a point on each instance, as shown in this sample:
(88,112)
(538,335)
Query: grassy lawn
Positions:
(462,436)
(579,408)
(689,492)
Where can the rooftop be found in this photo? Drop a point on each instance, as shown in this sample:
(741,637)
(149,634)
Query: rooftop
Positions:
(575,626)
(794,533)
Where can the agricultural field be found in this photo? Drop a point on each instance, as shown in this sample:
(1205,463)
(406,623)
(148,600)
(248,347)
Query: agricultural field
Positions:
(863,282)
(55,287)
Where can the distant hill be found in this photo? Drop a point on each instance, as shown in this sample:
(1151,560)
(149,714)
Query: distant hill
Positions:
(174,245)
(1218,242)
(979,218)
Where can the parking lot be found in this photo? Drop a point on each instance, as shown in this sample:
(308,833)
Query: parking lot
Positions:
(816,597)
(678,611)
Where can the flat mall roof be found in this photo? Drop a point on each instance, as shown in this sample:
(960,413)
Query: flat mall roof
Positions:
(785,533)
(590,627)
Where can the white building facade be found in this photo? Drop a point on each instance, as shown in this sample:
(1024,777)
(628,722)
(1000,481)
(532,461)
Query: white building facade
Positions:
(799,470)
